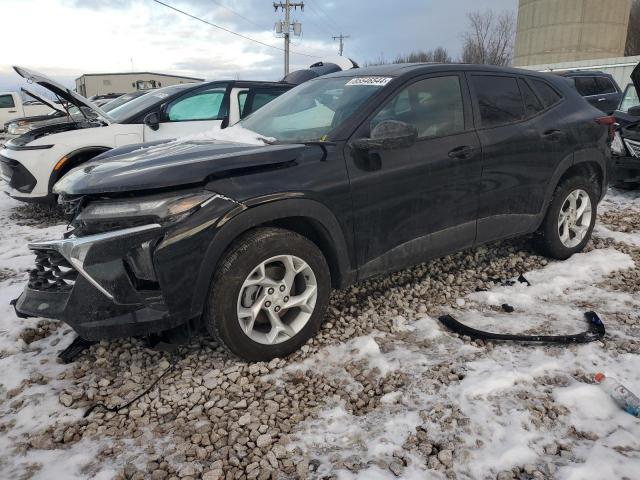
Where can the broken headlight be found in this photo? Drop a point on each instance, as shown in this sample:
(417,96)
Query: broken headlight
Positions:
(122,213)
(617,145)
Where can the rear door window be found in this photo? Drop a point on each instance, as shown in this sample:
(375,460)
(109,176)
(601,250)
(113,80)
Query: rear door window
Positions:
(258,99)
(605,86)
(546,93)
(532,104)
(587,86)
(499,100)
(6,101)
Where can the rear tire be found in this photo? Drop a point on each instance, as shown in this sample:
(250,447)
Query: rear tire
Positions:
(268,295)
(570,219)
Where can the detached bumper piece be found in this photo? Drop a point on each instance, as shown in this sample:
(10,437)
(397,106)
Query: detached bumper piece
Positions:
(595,332)
(90,283)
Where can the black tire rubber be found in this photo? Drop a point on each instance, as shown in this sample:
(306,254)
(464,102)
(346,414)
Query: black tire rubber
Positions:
(548,239)
(240,259)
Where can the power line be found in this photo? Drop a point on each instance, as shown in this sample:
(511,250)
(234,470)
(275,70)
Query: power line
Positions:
(317,5)
(236,13)
(231,31)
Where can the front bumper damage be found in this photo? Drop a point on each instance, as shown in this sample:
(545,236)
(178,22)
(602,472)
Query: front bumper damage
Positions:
(92,283)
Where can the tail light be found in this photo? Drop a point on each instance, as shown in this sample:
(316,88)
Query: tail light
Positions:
(610,121)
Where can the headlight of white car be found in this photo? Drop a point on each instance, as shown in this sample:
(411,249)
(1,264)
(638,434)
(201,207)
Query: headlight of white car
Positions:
(17,129)
(617,145)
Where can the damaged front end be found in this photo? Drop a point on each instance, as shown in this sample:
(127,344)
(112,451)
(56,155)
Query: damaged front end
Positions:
(129,265)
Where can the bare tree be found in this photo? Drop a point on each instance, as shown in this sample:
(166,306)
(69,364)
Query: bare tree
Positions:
(490,38)
(438,55)
(633,36)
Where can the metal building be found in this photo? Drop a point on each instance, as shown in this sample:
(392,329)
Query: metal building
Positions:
(91,84)
(554,31)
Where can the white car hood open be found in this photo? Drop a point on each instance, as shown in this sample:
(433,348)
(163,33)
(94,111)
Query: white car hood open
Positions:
(61,91)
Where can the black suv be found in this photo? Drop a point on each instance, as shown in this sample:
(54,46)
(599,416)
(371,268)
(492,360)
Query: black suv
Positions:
(347,176)
(598,88)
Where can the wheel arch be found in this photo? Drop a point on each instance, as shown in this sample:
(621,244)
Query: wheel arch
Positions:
(72,160)
(309,218)
(591,166)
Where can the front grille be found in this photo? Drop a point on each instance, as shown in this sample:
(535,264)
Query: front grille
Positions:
(634,147)
(52,272)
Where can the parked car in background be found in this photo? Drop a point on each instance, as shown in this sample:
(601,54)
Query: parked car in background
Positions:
(347,176)
(625,148)
(598,88)
(106,96)
(34,161)
(12,107)
(19,127)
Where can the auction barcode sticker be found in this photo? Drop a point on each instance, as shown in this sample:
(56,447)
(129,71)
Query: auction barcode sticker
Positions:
(380,81)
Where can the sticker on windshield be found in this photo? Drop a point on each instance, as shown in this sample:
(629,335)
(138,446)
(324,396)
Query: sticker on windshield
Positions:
(379,81)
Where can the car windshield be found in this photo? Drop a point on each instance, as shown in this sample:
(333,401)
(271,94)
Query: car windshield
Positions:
(312,110)
(630,99)
(123,112)
(121,100)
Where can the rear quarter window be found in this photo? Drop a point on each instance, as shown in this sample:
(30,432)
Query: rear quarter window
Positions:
(605,85)
(499,100)
(546,92)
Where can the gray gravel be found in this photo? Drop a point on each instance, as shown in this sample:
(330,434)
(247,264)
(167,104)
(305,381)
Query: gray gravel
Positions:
(215,417)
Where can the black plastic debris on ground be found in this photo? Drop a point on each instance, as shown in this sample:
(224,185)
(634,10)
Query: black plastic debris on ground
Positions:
(595,331)
(76,347)
(507,308)
(506,283)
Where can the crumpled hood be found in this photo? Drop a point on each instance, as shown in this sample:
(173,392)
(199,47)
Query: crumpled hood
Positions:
(173,164)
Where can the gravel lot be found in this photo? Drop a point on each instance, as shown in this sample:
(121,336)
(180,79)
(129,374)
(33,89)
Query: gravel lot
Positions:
(384,391)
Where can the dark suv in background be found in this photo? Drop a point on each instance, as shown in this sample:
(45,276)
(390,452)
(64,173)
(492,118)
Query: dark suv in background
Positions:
(347,176)
(598,88)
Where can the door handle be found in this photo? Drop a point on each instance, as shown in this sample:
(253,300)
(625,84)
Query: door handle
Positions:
(464,152)
(602,99)
(12,111)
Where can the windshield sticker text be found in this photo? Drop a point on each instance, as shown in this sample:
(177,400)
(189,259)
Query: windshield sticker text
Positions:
(380,81)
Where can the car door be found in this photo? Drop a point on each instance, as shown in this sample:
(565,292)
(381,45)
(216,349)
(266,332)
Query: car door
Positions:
(594,90)
(629,100)
(194,112)
(8,109)
(417,202)
(608,91)
(522,138)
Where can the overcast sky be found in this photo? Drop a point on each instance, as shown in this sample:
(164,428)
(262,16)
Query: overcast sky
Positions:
(66,38)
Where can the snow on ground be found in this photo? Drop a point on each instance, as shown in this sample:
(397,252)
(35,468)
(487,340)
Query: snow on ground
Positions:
(383,392)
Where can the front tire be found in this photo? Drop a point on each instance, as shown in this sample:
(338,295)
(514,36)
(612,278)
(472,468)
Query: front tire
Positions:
(570,219)
(269,294)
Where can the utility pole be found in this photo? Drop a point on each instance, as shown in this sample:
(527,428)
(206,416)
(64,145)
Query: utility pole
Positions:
(341,37)
(285,28)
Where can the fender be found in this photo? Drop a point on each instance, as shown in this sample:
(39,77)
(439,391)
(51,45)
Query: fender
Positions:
(265,210)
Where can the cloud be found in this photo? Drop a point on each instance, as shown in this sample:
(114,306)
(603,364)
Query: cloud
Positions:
(66,38)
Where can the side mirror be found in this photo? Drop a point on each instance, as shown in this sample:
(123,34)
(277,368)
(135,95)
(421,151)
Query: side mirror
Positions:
(388,135)
(634,111)
(152,120)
